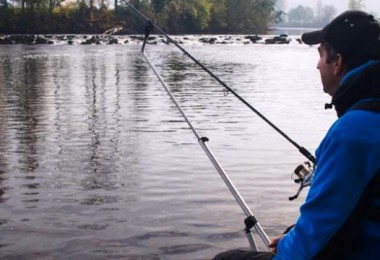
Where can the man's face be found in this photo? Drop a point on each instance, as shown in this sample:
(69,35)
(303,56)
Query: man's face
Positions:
(327,69)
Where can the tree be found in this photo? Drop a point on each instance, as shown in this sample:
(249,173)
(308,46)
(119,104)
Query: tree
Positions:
(218,20)
(4,13)
(355,4)
(280,5)
(247,16)
(319,9)
(191,16)
(199,14)
(3,4)
(158,5)
(174,16)
(327,14)
(54,3)
(301,15)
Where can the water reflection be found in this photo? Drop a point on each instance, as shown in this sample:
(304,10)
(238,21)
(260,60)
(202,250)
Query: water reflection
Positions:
(22,109)
(95,106)
(68,117)
(28,92)
(3,126)
(95,161)
(2,176)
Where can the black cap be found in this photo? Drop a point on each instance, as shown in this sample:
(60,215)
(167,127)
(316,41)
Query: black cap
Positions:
(349,33)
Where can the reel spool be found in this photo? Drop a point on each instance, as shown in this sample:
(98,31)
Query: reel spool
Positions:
(304,175)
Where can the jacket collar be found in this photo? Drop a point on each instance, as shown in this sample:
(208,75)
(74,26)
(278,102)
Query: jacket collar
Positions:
(360,83)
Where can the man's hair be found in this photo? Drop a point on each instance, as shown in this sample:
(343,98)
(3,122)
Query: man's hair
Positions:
(331,52)
(350,60)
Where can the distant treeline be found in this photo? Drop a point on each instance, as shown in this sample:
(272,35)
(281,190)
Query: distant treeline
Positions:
(174,16)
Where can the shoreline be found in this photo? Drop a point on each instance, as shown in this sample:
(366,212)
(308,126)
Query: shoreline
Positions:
(96,39)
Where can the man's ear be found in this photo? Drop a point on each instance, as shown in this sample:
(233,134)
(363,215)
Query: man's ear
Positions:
(339,68)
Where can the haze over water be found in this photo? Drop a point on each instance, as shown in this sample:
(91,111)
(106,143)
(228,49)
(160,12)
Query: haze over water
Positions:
(96,161)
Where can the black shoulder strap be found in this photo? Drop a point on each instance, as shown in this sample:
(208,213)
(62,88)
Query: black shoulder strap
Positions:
(371,212)
(372,105)
(347,236)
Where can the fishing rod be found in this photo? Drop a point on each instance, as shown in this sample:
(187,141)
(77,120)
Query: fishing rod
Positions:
(150,26)
(250,221)
(303,172)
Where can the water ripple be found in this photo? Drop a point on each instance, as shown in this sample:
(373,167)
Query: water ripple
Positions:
(184,249)
(96,162)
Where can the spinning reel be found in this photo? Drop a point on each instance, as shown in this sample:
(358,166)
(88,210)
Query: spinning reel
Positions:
(303,174)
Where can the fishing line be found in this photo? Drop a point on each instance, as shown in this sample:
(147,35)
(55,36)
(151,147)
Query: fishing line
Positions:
(150,26)
(250,221)
(304,173)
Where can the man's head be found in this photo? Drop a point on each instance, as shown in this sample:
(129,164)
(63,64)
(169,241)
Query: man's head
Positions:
(350,40)
(353,34)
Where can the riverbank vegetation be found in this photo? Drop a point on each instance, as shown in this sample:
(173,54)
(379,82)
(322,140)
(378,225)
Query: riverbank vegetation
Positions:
(307,17)
(175,17)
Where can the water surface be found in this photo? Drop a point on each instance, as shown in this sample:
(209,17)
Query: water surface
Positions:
(97,163)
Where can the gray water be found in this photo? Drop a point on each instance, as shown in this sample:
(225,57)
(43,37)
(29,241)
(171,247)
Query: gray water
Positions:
(97,163)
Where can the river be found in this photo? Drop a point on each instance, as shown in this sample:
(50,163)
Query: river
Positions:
(96,162)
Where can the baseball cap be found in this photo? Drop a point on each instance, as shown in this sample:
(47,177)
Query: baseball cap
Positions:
(352,32)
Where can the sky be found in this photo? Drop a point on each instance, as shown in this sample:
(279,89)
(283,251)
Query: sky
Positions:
(371,6)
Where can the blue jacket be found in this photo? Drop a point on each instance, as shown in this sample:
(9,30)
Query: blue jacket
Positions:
(348,159)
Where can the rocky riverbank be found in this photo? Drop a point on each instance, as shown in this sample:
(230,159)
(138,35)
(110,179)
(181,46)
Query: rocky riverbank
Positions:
(137,39)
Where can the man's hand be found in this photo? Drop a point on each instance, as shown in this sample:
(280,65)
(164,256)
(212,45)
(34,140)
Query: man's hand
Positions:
(273,244)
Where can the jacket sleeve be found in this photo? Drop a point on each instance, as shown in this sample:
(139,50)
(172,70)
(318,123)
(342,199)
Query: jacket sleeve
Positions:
(336,188)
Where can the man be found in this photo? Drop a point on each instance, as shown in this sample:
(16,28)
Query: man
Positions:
(340,218)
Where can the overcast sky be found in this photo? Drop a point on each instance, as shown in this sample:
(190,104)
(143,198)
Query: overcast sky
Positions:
(372,6)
